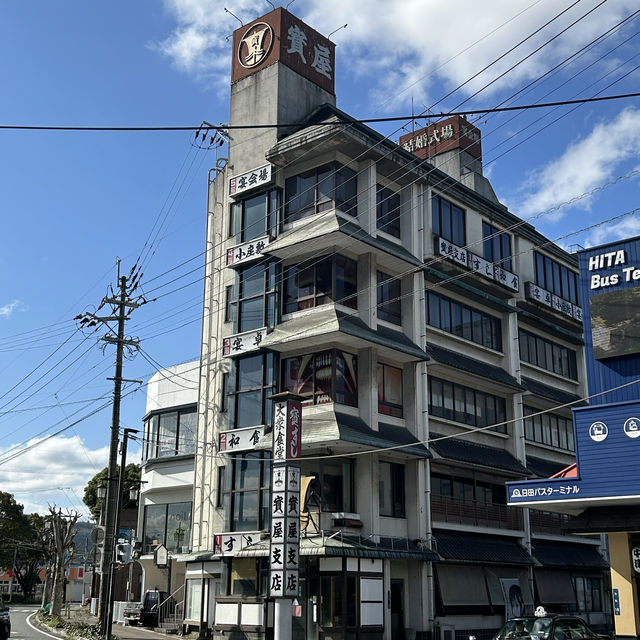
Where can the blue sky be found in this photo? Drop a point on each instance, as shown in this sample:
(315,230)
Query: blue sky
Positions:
(74,202)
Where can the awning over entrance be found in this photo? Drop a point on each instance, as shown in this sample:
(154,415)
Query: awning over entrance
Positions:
(350,547)
(458,547)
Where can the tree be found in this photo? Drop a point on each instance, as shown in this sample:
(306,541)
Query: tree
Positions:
(90,498)
(23,547)
(31,553)
(62,528)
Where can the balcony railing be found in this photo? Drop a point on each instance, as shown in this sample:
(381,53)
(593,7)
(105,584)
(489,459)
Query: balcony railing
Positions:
(472,512)
(547,522)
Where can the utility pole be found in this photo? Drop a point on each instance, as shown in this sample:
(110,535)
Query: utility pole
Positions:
(121,305)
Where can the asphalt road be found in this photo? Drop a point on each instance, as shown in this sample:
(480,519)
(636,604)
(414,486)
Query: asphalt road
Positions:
(23,628)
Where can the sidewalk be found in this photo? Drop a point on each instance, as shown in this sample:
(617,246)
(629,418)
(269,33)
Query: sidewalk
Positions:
(78,613)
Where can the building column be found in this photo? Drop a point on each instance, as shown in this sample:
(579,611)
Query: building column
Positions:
(624,579)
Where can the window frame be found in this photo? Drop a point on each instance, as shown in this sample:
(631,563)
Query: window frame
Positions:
(496,245)
(484,405)
(539,352)
(448,220)
(238,301)
(238,211)
(397,495)
(389,298)
(153,447)
(388,212)
(556,278)
(488,334)
(148,547)
(385,406)
(311,377)
(292,301)
(326,181)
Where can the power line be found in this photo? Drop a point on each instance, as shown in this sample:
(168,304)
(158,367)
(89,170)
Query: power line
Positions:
(227,127)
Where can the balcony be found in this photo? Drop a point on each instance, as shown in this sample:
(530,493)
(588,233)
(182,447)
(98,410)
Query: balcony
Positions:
(547,522)
(474,513)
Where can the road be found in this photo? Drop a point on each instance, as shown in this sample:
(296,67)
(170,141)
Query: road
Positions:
(23,628)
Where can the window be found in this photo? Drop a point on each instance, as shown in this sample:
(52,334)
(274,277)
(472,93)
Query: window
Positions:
(556,278)
(171,433)
(496,246)
(254,217)
(331,279)
(589,594)
(389,390)
(391,489)
(255,305)
(548,428)
(252,380)
(463,321)
(388,210)
(246,492)
(468,406)
(547,355)
(168,524)
(320,189)
(467,489)
(448,221)
(328,376)
(333,489)
(389,298)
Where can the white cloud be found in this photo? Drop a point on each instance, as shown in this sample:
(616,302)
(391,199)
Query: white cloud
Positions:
(52,471)
(404,48)
(584,165)
(7,309)
(626,228)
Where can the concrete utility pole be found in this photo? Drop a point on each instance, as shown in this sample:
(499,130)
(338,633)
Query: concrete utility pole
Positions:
(121,304)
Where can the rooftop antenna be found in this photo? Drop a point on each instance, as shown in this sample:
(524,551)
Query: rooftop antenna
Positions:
(235,16)
(271,3)
(344,26)
(287,7)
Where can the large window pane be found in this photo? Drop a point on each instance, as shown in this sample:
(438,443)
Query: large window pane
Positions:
(178,526)
(188,432)
(168,434)
(154,525)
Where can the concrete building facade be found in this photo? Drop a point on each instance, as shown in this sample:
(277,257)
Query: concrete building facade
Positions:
(428,331)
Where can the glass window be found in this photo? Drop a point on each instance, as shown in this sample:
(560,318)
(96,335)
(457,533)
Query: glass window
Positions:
(168,524)
(547,355)
(334,484)
(391,489)
(496,246)
(251,217)
(388,211)
(255,307)
(251,381)
(389,390)
(170,433)
(309,285)
(463,321)
(246,491)
(389,298)
(556,278)
(448,221)
(323,377)
(466,405)
(548,428)
(321,189)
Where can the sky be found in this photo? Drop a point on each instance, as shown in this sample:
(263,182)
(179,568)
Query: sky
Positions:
(73,203)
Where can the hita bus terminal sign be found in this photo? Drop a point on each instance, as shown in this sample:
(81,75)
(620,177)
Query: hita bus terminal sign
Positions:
(608,460)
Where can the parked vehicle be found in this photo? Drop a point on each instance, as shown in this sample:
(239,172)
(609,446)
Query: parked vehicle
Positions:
(544,626)
(146,612)
(5,620)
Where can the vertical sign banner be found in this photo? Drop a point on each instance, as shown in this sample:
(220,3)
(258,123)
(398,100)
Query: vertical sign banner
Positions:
(284,554)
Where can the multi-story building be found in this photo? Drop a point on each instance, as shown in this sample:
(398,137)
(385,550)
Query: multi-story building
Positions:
(166,489)
(425,327)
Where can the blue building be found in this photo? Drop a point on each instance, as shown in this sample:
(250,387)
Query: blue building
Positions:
(603,491)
